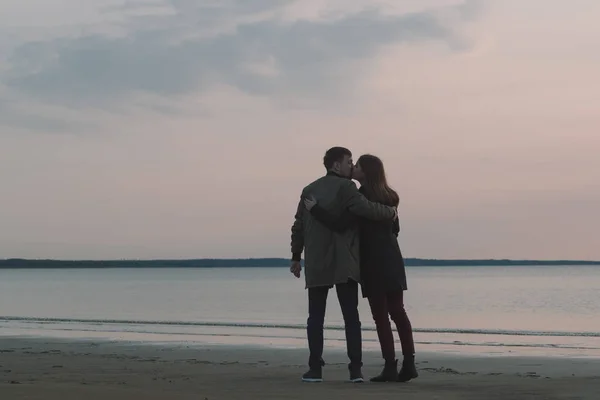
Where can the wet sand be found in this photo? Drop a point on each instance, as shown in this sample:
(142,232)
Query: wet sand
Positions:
(90,369)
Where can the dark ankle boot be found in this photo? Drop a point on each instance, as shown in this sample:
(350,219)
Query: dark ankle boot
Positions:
(408,370)
(389,373)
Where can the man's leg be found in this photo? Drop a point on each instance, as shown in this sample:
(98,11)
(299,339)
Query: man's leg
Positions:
(317,303)
(348,298)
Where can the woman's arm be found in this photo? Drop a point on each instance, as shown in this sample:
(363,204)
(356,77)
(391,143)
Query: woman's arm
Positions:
(338,224)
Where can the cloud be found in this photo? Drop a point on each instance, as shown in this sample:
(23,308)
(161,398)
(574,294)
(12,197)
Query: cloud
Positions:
(181,47)
(35,122)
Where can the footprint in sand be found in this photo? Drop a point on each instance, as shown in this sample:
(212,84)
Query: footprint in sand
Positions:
(442,370)
(529,375)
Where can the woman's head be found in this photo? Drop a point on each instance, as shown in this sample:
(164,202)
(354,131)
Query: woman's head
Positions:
(370,173)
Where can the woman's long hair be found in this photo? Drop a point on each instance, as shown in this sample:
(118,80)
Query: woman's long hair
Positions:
(375,182)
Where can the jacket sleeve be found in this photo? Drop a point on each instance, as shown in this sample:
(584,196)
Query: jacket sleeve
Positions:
(396,227)
(297,242)
(338,224)
(353,201)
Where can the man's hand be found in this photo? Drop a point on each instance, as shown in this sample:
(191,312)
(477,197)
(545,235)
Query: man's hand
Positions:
(310,202)
(295,268)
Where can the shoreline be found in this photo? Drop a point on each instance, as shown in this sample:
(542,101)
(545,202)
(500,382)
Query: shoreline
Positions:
(438,341)
(264,262)
(46,368)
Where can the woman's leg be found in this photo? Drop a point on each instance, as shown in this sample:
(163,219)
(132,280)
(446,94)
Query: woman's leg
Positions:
(379,310)
(395,303)
(380,313)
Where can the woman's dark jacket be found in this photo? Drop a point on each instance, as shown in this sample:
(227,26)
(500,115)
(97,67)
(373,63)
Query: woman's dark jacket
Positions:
(381,262)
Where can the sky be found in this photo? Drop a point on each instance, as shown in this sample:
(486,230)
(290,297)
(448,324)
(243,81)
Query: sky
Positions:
(143,129)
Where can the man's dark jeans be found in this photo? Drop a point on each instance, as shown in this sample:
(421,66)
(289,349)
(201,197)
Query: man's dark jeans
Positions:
(347,294)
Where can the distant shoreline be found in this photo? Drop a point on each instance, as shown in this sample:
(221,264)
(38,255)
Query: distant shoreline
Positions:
(18,263)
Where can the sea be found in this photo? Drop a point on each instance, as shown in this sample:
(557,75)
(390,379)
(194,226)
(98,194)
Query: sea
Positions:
(488,310)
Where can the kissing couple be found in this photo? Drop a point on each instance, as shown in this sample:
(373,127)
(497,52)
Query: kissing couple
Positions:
(350,239)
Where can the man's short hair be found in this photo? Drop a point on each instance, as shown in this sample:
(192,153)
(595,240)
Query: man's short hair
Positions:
(335,154)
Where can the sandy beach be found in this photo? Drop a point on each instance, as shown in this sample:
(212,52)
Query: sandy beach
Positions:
(89,369)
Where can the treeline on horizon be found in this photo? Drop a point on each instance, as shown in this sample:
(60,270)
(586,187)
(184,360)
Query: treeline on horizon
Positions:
(15,263)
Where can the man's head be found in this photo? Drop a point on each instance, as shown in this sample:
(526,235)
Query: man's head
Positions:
(339,160)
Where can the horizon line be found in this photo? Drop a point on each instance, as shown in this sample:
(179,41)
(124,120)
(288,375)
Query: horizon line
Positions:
(288,259)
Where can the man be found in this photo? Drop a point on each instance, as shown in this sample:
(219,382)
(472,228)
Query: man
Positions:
(332,259)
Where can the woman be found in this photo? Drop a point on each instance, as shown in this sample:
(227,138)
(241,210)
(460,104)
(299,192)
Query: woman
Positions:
(382,267)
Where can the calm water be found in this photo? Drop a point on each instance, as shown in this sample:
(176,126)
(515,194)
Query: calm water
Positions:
(538,310)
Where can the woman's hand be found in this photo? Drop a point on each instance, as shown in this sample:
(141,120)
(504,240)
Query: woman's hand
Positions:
(309,202)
